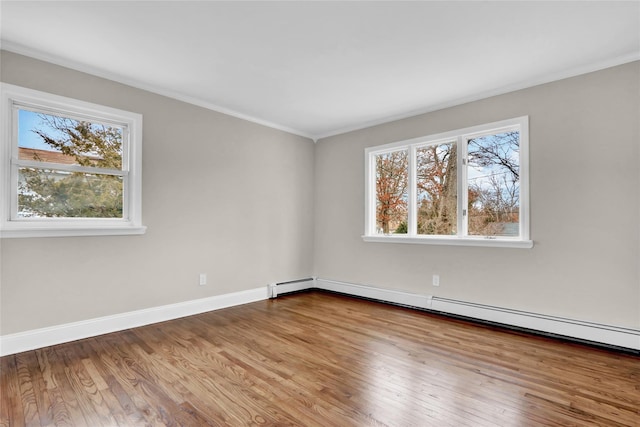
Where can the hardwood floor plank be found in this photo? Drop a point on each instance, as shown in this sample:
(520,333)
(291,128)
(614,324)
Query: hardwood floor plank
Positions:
(27,393)
(319,359)
(290,369)
(112,403)
(5,402)
(384,384)
(70,406)
(10,397)
(90,401)
(129,384)
(41,392)
(171,383)
(184,386)
(57,412)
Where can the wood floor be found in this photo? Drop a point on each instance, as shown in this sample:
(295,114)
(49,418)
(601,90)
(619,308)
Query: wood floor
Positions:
(319,359)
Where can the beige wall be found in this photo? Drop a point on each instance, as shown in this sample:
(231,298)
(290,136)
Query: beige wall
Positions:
(236,200)
(584,138)
(220,195)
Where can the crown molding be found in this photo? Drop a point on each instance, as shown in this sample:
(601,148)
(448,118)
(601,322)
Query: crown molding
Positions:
(524,84)
(315,137)
(77,66)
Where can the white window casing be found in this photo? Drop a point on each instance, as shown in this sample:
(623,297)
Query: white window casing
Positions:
(462,237)
(13,225)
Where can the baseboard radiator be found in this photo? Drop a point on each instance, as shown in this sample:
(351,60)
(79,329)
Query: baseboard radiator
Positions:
(571,329)
(561,327)
(292,286)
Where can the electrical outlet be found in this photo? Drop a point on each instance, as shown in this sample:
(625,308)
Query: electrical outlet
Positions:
(436,280)
(203,279)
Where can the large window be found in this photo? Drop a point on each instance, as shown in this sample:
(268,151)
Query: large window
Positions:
(466,187)
(69,168)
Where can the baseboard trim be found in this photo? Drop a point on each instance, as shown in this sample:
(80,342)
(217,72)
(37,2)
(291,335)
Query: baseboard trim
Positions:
(571,329)
(378,294)
(624,338)
(38,338)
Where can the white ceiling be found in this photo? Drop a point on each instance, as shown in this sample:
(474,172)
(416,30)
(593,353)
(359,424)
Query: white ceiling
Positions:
(322,68)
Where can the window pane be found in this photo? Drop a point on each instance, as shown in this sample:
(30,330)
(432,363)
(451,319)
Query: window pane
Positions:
(392,186)
(437,201)
(494,185)
(56,139)
(47,193)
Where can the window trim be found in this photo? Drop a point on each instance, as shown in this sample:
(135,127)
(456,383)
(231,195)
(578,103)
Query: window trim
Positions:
(14,97)
(460,136)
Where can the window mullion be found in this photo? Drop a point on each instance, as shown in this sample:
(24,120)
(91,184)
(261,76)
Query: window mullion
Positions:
(463,192)
(412,223)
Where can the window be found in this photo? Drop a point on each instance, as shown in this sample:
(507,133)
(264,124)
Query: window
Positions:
(465,187)
(69,168)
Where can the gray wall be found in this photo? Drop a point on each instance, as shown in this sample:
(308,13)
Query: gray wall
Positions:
(220,195)
(584,206)
(245,203)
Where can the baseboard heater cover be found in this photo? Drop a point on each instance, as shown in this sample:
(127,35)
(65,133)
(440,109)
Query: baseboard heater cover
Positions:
(570,329)
(562,327)
(291,286)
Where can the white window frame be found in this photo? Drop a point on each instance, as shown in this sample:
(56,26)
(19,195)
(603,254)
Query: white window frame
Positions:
(460,137)
(11,225)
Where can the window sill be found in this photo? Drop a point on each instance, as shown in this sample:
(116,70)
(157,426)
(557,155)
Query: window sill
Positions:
(451,241)
(71,231)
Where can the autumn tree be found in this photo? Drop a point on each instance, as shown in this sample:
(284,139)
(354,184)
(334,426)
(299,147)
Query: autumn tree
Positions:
(437,189)
(392,181)
(493,187)
(48,192)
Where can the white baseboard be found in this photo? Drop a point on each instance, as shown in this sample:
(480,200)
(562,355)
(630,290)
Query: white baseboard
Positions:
(380,294)
(598,333)
(38,338)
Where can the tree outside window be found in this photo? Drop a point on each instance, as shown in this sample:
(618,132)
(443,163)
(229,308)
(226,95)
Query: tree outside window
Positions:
(467,184)
(69,167)
(45,191)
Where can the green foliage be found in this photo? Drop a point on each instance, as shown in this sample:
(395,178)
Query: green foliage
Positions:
(402,228)
(47,192)
(90,144)
(76,195)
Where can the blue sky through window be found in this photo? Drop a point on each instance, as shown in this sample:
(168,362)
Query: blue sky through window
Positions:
(30,121)
(27,138)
